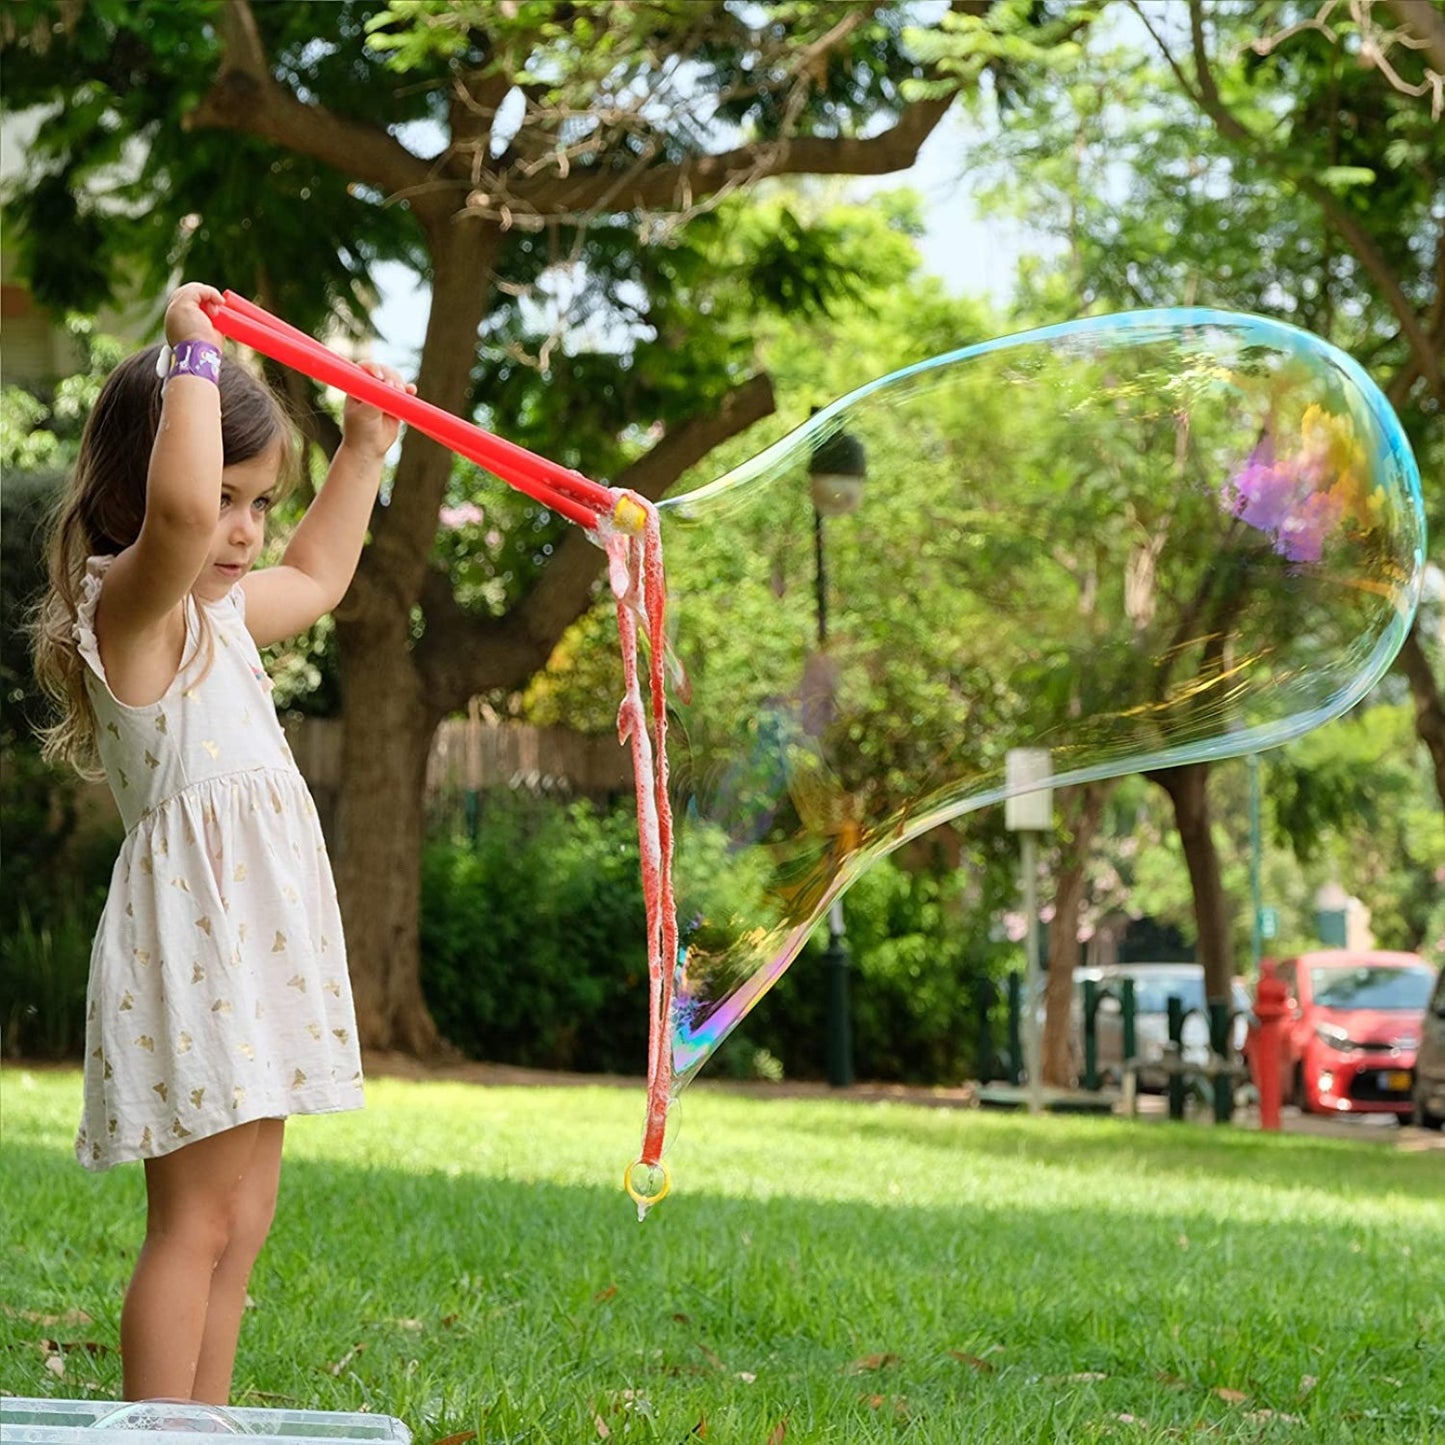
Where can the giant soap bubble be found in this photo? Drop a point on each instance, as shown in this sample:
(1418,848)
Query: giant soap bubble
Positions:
(1134,541)
(1131,542)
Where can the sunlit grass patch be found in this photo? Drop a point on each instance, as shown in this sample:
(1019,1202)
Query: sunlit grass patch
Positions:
(464,1258)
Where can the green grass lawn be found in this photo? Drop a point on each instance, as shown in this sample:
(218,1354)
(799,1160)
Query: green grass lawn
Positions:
(464,1258)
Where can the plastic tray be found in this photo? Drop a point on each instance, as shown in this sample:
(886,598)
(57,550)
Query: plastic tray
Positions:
(96,1422)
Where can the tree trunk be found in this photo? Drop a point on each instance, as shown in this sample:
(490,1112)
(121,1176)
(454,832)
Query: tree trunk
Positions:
(1188,789)
(1414,662)
(379,826)
(389,715)
(1080,808)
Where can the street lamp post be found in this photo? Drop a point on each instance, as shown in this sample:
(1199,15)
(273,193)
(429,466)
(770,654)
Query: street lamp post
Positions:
(1029,811)
(836,473)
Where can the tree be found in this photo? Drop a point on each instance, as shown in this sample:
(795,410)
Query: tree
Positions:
(497,149)
(1360,141)
(1312,192)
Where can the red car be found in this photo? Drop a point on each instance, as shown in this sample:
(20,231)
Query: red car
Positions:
(1352,1031)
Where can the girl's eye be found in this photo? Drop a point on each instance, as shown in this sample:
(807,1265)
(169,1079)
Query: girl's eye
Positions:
(262,504)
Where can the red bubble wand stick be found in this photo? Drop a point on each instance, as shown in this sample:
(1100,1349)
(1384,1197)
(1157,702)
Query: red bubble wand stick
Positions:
(559,488)
(626,527)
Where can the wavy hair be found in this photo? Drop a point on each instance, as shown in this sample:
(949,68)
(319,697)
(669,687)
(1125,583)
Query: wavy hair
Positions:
(100,515)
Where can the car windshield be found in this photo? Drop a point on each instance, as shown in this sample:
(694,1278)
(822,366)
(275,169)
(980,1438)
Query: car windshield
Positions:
(1152,995)
(1383,986)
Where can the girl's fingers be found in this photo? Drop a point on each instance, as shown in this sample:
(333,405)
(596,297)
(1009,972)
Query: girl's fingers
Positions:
(390,377)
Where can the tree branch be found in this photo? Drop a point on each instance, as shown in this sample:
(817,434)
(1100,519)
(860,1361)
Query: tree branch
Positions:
(660,187)
(245,97)
(1337,215)
(461,655)
(1427,24)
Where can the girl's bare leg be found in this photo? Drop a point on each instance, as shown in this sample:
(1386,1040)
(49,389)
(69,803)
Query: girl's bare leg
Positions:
(256,1207)
(193,1200)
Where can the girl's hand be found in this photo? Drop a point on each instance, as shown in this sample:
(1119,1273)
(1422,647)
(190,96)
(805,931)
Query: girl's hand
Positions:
(186,316)
(367,428)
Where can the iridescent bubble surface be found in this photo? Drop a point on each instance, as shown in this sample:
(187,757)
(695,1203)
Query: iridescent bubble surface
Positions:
(1134,541)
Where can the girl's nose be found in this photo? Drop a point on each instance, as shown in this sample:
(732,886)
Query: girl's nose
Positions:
(245,524)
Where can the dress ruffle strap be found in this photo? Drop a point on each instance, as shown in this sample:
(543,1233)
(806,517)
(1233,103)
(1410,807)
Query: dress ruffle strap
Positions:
(83,629)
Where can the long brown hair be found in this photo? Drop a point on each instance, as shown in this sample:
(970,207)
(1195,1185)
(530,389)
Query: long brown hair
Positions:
(101,511)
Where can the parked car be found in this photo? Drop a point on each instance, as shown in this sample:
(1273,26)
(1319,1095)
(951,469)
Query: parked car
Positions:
(1352,1031)
(1154,985)
(1429,1093)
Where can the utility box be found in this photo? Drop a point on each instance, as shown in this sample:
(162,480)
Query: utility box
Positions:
(1028,809)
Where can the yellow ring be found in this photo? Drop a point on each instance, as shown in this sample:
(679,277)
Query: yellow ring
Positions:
(647,1200)
(629,515)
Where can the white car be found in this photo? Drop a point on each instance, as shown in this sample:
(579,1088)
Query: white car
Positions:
(1154,985)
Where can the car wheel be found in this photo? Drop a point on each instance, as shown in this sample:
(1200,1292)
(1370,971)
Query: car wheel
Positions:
(1420,1115)
(1298,1097)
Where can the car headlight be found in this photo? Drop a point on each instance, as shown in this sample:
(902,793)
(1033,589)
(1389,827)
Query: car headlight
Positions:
(1407,1041)
(1336,1038)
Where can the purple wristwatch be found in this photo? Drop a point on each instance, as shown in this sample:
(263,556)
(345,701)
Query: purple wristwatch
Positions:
(191,358)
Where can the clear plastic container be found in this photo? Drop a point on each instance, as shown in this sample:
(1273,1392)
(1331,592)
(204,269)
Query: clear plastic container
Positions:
(95,1422)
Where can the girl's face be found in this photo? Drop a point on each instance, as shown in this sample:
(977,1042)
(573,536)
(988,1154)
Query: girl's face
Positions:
(246,492)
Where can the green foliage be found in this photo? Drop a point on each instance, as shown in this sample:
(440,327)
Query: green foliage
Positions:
(1355,799)
(121,192)
(533,939)
(60,844)
(39,437)
(24,441)
(25,504)
(1007,41)
(44,968)
(533,953)
(1306,188)
(919,958)
(40,430)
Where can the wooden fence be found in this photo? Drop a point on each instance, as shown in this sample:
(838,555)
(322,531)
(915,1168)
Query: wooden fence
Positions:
(469,757)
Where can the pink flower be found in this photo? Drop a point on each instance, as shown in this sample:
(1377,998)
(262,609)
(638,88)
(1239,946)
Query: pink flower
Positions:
(1282,499)
(465,514)
(1301,499)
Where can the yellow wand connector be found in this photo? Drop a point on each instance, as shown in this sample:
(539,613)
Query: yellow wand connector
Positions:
(629,515)
(646,1184)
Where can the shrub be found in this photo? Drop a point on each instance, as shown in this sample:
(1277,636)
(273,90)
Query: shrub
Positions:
(54,871)
(916,970)
(533,952)
(533,938)
(44,967)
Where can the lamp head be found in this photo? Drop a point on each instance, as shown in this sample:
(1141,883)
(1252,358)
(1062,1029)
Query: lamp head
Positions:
(837,470)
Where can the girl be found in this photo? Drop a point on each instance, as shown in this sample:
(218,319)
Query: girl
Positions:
(218,1002)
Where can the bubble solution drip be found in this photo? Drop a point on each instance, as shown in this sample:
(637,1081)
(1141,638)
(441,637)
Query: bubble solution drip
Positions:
(1134,541)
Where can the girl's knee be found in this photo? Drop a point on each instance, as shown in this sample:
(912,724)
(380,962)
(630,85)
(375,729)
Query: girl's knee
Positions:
(200,1228)
(254,1215)
(216,1198)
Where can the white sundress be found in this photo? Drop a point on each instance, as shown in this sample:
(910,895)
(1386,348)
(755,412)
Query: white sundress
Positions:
(218,987)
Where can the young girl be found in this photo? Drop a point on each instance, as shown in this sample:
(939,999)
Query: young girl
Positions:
(219,1002)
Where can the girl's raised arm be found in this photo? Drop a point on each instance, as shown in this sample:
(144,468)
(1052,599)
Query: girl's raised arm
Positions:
(140,620)
(320,560)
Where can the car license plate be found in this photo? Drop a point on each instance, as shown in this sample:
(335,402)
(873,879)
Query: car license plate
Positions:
(1396,1081)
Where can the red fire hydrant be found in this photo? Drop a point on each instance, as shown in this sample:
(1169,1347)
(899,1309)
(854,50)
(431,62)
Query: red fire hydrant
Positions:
(1271,1004)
